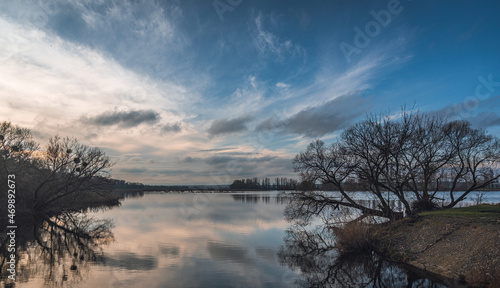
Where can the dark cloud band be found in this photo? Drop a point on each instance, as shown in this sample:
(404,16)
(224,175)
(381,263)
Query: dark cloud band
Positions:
(125,119)
(228,126)
(319,120)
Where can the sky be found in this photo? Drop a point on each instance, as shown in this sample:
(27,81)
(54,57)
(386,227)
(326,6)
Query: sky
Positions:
(205,92)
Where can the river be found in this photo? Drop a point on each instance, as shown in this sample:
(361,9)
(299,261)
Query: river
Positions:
(193,240)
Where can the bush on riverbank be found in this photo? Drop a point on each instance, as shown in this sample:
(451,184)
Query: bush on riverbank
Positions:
(355,236)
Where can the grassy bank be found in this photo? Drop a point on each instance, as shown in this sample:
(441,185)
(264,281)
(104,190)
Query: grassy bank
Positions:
(462,244)
(479,212)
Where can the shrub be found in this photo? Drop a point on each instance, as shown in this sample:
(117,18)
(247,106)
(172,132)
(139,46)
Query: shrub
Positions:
(355,236)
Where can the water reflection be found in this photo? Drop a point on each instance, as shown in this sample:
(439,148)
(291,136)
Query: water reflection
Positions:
(59,250)
(312,253)
(126,194)
(227,243)
(266,198)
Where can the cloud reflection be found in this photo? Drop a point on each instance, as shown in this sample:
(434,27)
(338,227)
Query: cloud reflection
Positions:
(228,243)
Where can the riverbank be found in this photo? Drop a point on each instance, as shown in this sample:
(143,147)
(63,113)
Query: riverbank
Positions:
(461,245)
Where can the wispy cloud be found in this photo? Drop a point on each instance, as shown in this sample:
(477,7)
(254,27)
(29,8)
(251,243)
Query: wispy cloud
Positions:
(331,81)
(268,42)
(282,85)
(124,29)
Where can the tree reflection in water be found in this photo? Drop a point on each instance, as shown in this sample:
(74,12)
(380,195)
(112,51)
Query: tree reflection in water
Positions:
(314,255)
(60,248)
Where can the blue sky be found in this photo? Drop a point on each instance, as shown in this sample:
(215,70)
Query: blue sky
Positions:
(204,92)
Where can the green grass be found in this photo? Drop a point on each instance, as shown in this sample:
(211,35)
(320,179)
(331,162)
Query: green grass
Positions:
(479,211)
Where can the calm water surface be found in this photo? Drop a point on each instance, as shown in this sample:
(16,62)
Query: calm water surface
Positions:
(193,240)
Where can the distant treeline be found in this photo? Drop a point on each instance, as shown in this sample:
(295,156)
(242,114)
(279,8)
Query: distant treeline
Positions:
(125,185)
(122,184)
(280,183)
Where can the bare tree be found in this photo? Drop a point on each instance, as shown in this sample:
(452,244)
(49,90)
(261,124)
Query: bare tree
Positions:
(407,158)
(476,156)
(16,158)
(58,172)
(16,147)
(66,168)
(331,165)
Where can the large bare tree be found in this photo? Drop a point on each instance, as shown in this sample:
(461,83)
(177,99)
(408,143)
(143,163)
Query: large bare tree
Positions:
(401,160)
